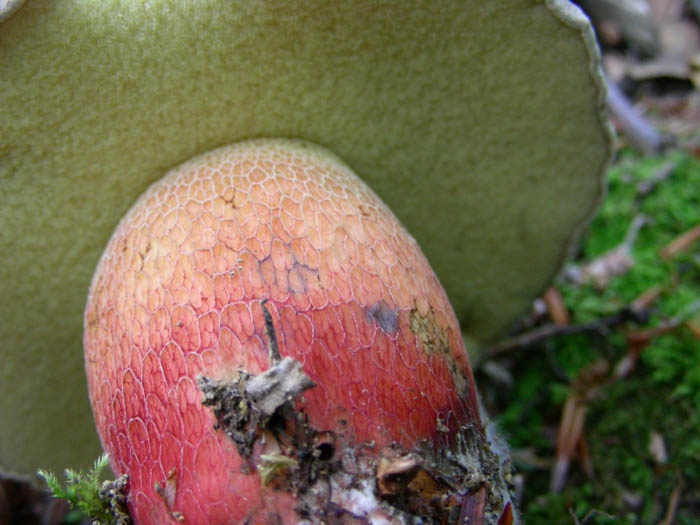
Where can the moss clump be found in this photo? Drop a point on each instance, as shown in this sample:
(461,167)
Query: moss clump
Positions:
(104,502)
(661,395)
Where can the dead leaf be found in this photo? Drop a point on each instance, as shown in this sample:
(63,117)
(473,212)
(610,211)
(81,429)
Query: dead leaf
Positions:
(395,474)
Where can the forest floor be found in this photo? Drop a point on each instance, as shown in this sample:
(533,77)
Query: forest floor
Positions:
(598,391)
(598,394)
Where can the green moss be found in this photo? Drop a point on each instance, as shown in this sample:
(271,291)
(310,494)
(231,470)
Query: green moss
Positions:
(661,394)
(87,495)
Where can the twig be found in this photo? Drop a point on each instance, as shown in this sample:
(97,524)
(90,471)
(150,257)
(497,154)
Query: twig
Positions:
(273,351)
(673,502)
(681,242)
(588,515)
(637,341)
(573,516)
(550,330)
(633,123)
(631,313)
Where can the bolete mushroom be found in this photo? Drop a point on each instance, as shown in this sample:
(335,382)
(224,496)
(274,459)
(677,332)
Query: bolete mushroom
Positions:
(268,277)
(480,124)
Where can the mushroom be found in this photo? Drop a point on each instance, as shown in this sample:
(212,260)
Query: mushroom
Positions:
(7,7)
(480,124)
(257,272)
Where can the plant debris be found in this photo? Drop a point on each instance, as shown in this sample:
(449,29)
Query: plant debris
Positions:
(592,449)
(332,476)
(114,493)
(400,485)
(570,433)
(245,405)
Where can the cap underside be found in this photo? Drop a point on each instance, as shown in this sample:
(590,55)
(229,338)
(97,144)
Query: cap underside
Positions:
(479,124)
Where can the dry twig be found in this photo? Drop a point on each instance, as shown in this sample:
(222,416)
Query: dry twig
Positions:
(681,242)
(673,502)
(633,123)
(547,331)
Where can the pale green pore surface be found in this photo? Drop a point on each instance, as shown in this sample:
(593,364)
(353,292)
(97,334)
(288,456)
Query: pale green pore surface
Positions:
(479,123)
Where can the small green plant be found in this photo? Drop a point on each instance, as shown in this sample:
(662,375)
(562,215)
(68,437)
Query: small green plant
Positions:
(104,502)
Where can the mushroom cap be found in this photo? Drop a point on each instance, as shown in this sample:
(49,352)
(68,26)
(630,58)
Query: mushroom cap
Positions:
(480,124)
(7,7)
